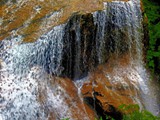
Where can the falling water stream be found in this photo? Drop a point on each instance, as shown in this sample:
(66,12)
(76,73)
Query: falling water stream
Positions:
(66,51)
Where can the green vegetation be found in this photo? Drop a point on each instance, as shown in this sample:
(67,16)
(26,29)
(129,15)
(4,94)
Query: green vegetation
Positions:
(152,11)
(132,113)
(143,115)
(136,114)
(65,119)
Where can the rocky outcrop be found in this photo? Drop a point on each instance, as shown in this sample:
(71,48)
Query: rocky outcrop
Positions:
(109,87)
(91,39)
(68,105)
(81,69)
(41,16)
(98,95)
(77,47)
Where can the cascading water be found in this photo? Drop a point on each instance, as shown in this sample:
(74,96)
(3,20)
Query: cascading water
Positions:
(71,50)
(122,21)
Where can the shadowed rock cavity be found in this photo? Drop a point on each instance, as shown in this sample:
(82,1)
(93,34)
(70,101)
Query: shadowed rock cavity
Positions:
(88,42)
(79,54)
(98,108)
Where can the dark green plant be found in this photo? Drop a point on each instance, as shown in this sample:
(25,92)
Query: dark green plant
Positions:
(133,113)
(152,11)
(140,115)
(65,119)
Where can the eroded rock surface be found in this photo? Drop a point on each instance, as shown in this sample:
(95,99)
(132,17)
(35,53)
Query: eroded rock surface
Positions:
(32,18)
(109,87)
(82,64)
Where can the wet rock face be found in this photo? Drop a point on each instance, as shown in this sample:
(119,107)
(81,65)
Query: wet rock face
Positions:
(91,39)
(77,47)
(79,53)
(69,105)
(41,17)
(44,74)
(111,86)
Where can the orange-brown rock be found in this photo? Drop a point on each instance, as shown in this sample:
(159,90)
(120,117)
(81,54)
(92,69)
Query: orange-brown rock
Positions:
(108,86)
(32,18)
(107,90)
(70,99)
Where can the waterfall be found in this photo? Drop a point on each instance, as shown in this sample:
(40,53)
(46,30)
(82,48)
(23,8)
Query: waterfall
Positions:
(24,68)
(120,26)
(72,50)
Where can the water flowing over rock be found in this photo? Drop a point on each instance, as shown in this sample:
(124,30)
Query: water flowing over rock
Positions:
(81,69)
